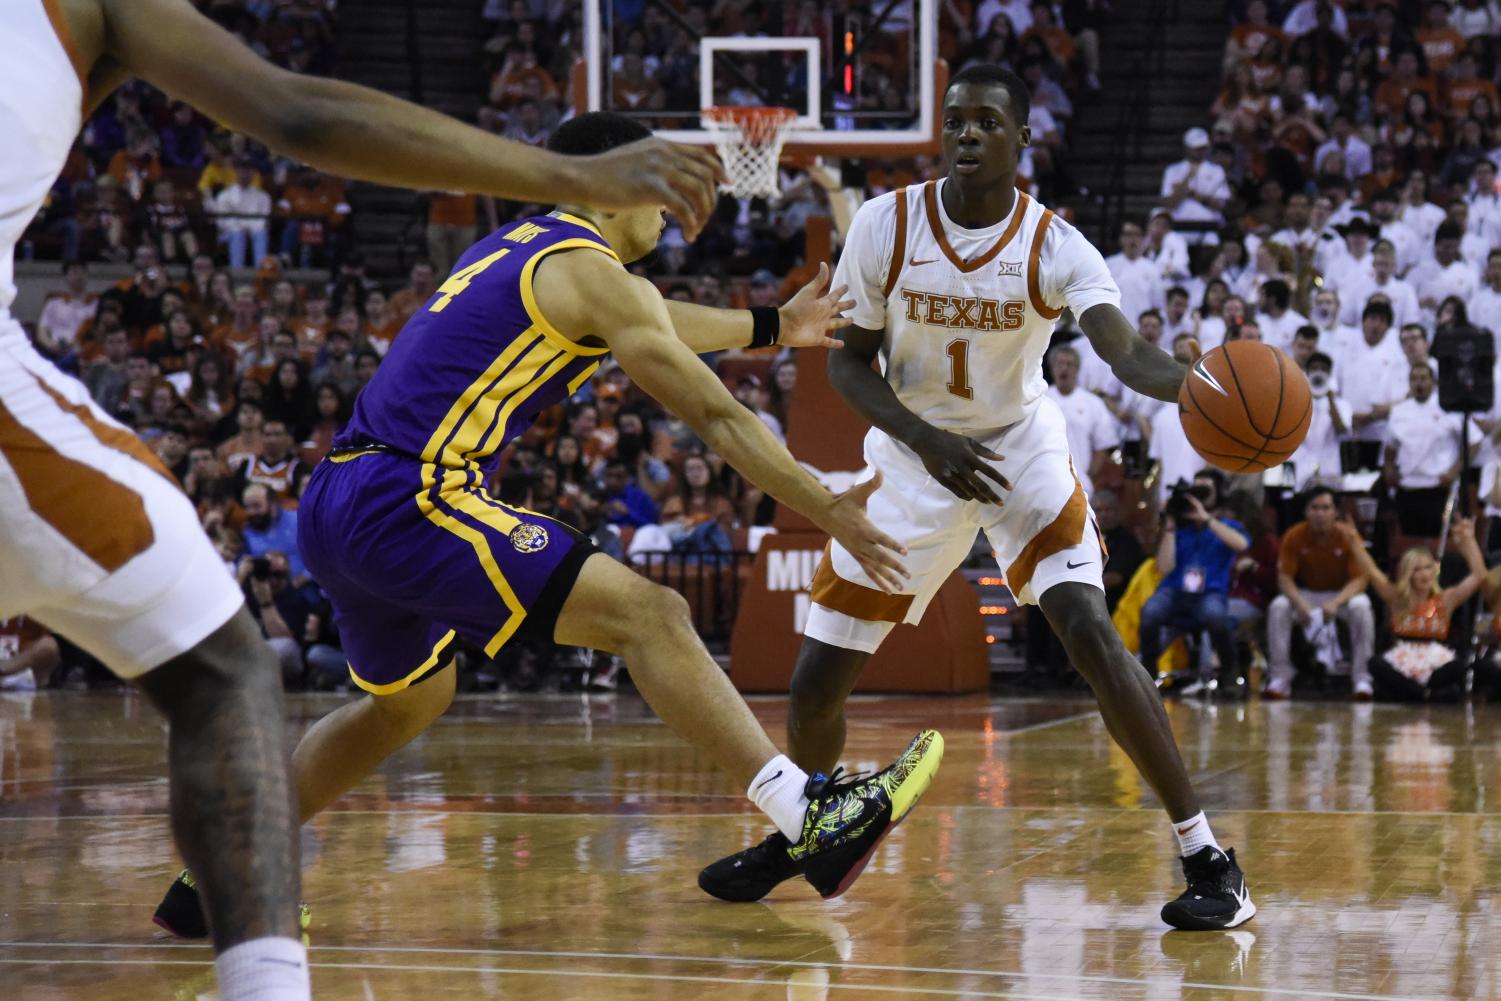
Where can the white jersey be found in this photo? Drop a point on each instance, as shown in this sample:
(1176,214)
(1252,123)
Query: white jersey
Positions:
(41,110)
(967,313)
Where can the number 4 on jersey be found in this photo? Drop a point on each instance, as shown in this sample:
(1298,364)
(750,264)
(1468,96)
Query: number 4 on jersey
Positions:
(460,279)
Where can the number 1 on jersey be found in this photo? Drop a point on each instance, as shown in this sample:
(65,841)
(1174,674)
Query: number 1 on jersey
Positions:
(459,280)
(958,352)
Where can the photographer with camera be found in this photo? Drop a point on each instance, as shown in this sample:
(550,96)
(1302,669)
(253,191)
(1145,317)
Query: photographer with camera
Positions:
(279,608)
(1196,552)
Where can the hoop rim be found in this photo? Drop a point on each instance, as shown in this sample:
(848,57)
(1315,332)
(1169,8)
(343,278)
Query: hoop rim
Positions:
(742,115)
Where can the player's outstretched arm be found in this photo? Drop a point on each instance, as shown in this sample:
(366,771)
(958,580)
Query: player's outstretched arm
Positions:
(1144,367)
(807,320)
(587,294)
(358,132)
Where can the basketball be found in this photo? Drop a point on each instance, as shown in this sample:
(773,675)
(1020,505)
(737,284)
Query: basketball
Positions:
(1245,407)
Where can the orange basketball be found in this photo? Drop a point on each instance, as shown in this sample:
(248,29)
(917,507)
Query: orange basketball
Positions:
(1245,407)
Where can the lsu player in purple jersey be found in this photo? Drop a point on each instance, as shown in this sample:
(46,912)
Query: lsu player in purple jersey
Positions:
(415,555)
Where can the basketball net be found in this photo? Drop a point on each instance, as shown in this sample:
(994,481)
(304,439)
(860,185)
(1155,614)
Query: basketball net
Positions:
(750,141)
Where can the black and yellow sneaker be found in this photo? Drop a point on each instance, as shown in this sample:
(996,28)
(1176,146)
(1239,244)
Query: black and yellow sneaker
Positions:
(181,911)
(1217,896)
(847,817)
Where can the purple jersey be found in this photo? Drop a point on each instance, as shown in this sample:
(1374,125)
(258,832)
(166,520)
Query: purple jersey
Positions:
(477,363)
(396,526)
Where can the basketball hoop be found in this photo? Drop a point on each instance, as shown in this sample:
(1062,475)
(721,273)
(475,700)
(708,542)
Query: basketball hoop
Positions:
(750,141)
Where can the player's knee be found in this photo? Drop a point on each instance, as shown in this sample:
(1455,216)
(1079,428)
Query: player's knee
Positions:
(669,609)
(814,692)
(412,709)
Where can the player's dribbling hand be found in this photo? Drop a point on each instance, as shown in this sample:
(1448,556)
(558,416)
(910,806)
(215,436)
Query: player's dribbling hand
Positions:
(958,463)
(656,172)
(873,549)
(810,317)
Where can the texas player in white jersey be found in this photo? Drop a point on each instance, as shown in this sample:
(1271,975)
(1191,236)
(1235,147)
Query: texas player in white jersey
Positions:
(97,541)
(958,284)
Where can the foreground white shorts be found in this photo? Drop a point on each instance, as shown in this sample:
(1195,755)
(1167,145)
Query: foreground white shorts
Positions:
(1043,534)
(97,541)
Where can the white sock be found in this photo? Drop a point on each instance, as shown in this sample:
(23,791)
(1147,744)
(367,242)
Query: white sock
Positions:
(264,969)
(778,790)
(1193,834)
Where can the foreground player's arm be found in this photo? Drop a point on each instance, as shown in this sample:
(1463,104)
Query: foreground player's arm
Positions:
(1143,366)
(362,133)
(594,296)
(807,320)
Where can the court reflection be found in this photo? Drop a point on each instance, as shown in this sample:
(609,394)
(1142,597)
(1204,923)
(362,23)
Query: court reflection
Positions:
(546,848)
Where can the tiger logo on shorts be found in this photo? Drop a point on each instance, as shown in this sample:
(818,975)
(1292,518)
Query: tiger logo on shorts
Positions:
(528,538)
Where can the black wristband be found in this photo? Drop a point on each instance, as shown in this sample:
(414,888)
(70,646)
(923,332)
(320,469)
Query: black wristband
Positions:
(766,326)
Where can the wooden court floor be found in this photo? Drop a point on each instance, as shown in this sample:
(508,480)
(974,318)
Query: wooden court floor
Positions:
(545,847)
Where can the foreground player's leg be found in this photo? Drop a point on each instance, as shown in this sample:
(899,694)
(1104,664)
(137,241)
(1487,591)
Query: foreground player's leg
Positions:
(233,812)
(832,826)
(1216,896)
(335,754)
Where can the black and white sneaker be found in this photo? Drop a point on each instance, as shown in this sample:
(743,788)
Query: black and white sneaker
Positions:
(1217,896)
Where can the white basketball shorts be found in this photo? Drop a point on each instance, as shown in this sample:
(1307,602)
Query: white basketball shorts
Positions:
(97,541)
(1043,534)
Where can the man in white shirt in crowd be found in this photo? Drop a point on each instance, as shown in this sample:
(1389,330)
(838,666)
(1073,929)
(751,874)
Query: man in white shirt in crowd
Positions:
(1194,189)
(1298,233)
(1305,344)
(242,210)
(1443,274)
(1416,212)
(1166,249)
(1422,455)
(1138,278)
(1473,247)
(1334,336)
(1169,448)
(1342,137)
(1093,432)
(1414,341)
(1484,202)
(1383,281)
(1377,380)
(1403,238)
(63,314)
(1317,459)
(1336,187)
(1349,270)
(1484,306)
(1328,242)
(1276,317)
(1177,318)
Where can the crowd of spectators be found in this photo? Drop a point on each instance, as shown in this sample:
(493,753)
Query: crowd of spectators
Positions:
(1340,204)
(148,169)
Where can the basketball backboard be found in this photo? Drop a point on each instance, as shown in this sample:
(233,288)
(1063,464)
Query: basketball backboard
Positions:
(865,80)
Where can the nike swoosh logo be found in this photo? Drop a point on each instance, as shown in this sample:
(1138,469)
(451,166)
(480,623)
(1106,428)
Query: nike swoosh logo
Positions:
(1081,563)
(283,962)
(772,779)
(1203,373)
(914,262)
